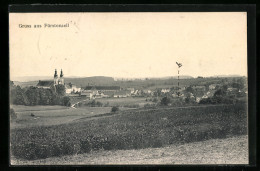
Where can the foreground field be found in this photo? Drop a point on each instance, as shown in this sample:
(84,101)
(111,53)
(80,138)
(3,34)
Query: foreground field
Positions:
(232,150)
(130,129)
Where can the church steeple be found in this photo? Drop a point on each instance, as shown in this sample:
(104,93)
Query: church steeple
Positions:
(61,80)
(55,74)
(61,74)
(55,77)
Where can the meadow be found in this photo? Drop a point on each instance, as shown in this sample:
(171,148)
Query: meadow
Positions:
(130,129)
(51,115)
(123,102)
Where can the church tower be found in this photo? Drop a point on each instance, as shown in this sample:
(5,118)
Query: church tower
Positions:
(61,81)
(56,79)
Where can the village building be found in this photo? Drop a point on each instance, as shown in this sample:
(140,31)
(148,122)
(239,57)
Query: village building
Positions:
(93,92)
(210,93)
(147,91)
(45,84)
(132,90)
(69,88)
(48,84)
(122,93)
(87,94)
(198,99)
(72,88)
(213,86)
(165,90)
(103,88)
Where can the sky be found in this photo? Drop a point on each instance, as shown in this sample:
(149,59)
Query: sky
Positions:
(128,44)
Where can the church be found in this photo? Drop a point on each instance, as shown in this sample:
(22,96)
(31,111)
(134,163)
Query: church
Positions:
(57,80)
(69,88)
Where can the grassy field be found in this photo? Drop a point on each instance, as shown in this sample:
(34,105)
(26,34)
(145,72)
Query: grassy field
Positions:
(76,99)
(52,115)
(233,150)
(22,108)
(130,129)
(128,101)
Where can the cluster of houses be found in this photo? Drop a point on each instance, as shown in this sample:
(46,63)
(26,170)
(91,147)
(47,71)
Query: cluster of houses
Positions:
(93,92)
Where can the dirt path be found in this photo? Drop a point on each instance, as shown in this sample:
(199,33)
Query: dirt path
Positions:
(233,150)
(73,105)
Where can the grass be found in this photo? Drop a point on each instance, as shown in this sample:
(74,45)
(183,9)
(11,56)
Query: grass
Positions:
(76,99)
(128,101)
(131,129)
(52,115)
(233,150)
(22,108)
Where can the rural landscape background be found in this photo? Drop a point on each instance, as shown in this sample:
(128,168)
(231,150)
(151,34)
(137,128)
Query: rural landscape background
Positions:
(128,88)
(107,118)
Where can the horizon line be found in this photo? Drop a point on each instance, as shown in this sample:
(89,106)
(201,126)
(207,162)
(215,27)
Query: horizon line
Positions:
(220,75)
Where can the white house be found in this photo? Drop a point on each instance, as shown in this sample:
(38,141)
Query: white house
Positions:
(72,88)
(165,90)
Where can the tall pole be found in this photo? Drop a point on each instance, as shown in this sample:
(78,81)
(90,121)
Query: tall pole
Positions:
(178,83)
(178,78)
(179,65)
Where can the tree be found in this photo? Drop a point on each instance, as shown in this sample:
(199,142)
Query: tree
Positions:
(188,98)
(165,101)
(66,101)
(60,89)
(18,96)
(99,104)
(189,89)
(239,84)
(33,95)
(219,93)
(114,109)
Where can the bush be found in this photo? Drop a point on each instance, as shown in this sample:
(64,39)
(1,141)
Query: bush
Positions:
(94,103)
(114,109)
(66,101)
(99,104)
(165,101)
(155,100)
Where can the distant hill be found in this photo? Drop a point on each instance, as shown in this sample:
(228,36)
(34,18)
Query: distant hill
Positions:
(26,84)
(138,83)
(31,78)
(227,76)
(174,77)
(97,80)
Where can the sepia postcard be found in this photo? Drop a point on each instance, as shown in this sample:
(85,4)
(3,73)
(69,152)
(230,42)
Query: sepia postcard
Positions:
(128,88)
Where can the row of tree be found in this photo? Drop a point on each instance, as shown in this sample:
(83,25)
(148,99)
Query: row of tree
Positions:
(38,96)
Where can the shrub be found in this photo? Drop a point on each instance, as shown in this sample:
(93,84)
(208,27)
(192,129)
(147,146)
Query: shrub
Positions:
(99,104)
(94,103)
(155,100)
(66,101)
(114,109)
(165,101)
